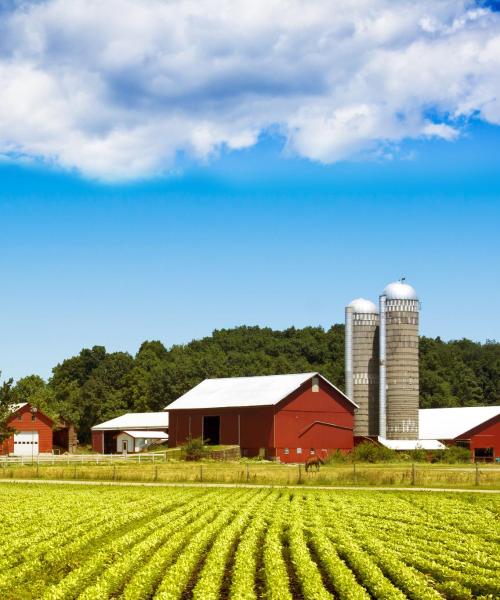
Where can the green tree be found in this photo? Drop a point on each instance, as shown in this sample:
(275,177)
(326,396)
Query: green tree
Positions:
(34,389)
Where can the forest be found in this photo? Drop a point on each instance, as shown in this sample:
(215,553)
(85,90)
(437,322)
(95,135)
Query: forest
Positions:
(97,385)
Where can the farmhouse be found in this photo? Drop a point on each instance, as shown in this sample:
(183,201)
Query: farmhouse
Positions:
(474,427)
(33,432)
(130,432)
(285,417)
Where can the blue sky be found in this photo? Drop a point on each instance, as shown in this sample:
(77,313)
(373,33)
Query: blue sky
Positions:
(252,238)
(168,168)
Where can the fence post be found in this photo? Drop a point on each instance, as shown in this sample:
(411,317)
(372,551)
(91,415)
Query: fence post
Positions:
(413,474)
(300,473)
(477,473)
(248,473)
(156,473)
(201,472)
(354,476)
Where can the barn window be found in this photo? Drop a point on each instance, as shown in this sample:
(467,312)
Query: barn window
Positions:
(286,450)
(312,451)
(299,450)
(315,384)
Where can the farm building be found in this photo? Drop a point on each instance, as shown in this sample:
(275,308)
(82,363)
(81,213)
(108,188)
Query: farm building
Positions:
(32,435)
(130,432)
(284,417)
(474,427)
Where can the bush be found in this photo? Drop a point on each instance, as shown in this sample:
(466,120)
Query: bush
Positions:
(195,449)
(373,453)
(452,455)
(336,457)
(418,455)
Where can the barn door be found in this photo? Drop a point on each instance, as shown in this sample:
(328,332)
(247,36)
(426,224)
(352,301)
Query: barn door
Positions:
(211,430)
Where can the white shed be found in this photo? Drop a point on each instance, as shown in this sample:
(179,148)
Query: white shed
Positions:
(135,441)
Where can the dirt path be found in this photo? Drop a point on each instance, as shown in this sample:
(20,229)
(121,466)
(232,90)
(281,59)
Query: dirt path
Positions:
(245,485)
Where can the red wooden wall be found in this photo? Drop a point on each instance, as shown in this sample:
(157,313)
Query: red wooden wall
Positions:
(22,421)
(98,441)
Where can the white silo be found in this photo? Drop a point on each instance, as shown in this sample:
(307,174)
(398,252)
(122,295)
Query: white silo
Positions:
(362,363)
(399,377)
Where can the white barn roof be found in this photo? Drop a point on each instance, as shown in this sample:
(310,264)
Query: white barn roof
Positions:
(230,392)
(449,423)
(134,421)
(411,444)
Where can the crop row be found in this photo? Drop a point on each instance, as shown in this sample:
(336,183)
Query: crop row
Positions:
(243,544)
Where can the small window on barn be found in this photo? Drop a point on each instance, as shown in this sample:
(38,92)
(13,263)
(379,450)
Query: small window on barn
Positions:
(286,450)
(315,384)
(299,450)
(312,451)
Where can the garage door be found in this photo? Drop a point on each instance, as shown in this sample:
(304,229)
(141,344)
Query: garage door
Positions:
(26,443)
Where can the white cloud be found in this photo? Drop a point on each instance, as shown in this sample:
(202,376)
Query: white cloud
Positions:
(116,89)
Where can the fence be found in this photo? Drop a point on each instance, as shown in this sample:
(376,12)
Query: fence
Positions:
(53,459)
(419,475)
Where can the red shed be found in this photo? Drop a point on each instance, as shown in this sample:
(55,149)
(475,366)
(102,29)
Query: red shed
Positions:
(288,417)
(473,427)
(32,435)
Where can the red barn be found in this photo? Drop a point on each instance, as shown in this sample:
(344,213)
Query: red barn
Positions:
(287,417)
(32,435)
(474,427)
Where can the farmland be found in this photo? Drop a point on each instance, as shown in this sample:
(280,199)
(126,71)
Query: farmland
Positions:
(92,542)
(484,476)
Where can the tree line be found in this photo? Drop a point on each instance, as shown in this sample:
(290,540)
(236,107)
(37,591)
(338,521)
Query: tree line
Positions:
(97,385)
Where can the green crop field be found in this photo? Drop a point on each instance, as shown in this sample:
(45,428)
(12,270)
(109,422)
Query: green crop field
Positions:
(93,542)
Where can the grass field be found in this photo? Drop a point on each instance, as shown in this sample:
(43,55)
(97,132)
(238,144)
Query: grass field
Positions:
(93,543)
(420,474)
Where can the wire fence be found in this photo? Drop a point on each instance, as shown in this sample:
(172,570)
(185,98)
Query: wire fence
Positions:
(155,468)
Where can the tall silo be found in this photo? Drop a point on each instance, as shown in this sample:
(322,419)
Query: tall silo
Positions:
(399,316)
(361,363)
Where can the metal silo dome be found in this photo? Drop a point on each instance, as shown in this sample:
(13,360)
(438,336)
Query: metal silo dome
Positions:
(399,290)
(361,305)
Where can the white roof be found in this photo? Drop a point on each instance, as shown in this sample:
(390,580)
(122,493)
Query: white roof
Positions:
(265,390)
(412,444)
(142,421)
(399,291)
(148,434)
(449,423)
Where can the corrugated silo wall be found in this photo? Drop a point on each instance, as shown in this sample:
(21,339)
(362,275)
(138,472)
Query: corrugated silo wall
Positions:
(365,359)
(402,369)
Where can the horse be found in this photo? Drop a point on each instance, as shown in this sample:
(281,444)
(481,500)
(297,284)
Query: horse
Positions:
(314,461)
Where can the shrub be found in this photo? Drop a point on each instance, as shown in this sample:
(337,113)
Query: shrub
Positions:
(336,457)
(373,453)
(452,455)
(195,449)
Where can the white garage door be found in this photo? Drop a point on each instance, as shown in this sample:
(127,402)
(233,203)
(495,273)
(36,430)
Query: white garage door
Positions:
(26,443)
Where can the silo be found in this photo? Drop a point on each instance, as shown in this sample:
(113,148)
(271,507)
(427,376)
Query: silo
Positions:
(399,316)
(361,363)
